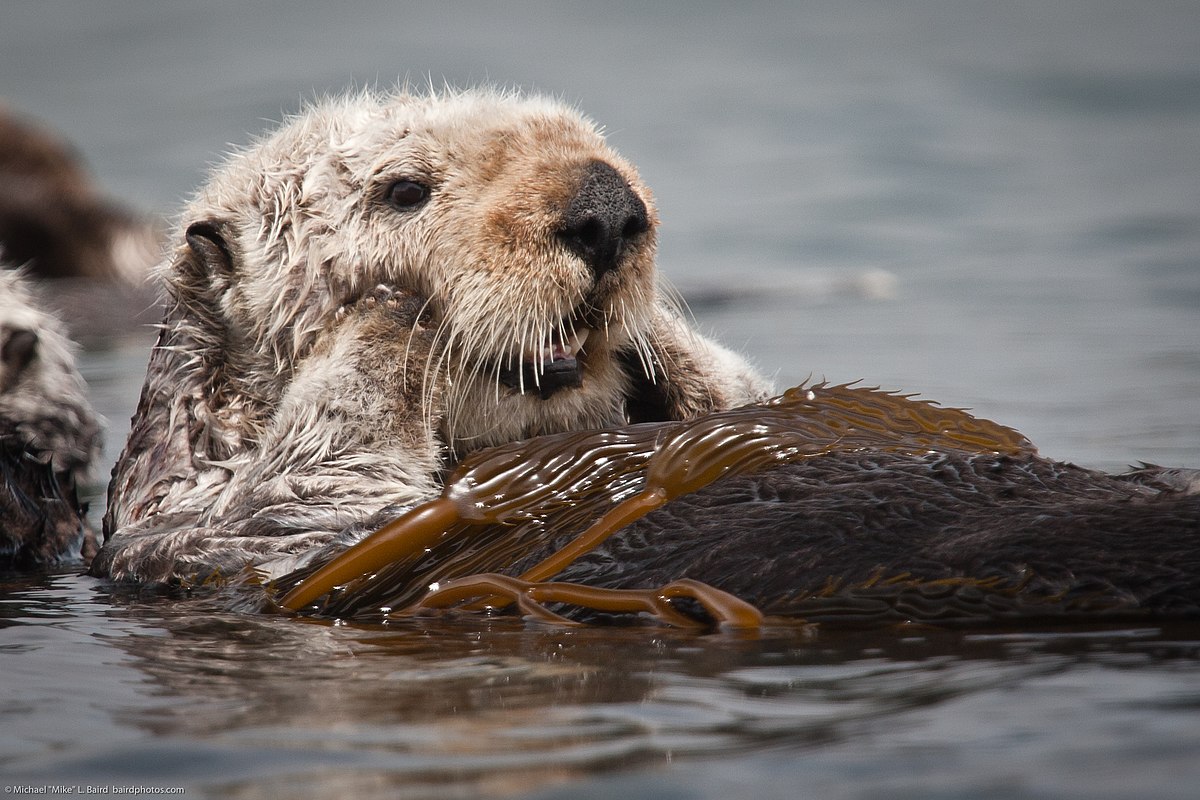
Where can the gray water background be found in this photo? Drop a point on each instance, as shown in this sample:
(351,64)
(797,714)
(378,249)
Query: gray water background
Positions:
(996,205)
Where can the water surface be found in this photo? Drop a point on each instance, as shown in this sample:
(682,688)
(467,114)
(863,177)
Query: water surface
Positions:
(996,205)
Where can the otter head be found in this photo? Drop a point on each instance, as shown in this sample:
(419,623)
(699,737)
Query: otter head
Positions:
(532,241)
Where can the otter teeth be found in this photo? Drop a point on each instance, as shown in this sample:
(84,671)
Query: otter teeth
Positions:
(550,368)
(560,351)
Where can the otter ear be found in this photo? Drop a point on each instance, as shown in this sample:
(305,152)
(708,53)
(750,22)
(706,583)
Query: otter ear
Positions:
(18,346)
(210,254)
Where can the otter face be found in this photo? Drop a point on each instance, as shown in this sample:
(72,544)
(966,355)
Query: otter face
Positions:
(532,241)
(382,285)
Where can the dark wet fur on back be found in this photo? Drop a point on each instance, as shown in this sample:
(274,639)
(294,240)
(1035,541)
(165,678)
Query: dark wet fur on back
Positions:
(889,537)
(41,518)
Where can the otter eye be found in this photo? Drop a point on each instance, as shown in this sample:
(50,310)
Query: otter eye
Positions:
(406,194)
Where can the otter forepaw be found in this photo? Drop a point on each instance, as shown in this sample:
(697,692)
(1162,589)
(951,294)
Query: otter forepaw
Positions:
(409,308)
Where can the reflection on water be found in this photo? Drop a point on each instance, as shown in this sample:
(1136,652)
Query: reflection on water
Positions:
(106,689)
(1021,179)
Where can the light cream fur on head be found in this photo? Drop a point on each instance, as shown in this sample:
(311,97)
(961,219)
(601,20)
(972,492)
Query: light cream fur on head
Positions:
(290,399)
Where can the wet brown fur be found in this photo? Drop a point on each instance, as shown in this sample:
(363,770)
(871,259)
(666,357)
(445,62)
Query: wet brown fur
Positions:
(49,436)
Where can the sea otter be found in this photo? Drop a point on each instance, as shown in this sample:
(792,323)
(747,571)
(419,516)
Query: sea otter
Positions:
(437,318)
(284,401)
(54,223)
(49,436)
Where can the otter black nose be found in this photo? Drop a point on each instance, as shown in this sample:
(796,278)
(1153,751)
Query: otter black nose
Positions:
(604,216)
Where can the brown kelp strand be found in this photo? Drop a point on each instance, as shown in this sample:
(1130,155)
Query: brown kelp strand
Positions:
(495,506)
(531,598)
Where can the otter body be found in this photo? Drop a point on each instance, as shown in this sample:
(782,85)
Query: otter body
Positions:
(392,286)
(49,436)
